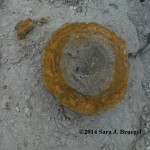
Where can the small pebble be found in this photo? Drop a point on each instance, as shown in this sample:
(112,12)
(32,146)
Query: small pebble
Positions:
(43,20)
(27,97)
(17,109)
(27,109)
(5,87)
(72,8)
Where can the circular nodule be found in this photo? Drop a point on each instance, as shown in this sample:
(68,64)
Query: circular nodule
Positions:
(85,66)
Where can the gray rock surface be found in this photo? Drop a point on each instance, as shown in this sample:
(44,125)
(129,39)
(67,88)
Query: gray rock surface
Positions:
(30,118)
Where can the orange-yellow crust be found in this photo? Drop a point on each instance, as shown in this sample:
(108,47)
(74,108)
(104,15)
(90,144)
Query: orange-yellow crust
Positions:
(66,95)
(23,27)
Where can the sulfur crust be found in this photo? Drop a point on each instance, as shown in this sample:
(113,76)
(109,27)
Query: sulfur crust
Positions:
(66,95)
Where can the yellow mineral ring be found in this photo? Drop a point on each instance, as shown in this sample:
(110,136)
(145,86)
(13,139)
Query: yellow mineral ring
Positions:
(109,80)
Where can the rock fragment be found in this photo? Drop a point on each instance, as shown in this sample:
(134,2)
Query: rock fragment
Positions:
(23,27)
(43,20)
(146,87)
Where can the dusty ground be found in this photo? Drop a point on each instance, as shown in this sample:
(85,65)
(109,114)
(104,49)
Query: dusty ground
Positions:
(30,118)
